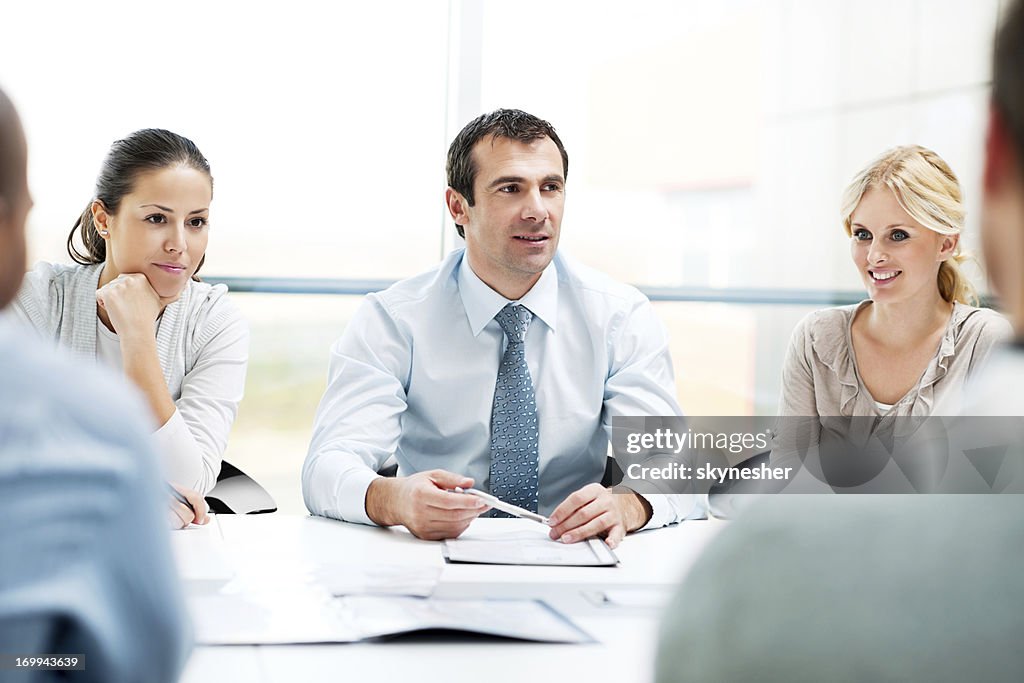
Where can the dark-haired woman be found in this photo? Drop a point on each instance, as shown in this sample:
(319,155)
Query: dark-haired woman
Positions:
(134,304)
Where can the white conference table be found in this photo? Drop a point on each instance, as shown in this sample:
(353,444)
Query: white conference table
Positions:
(291,546)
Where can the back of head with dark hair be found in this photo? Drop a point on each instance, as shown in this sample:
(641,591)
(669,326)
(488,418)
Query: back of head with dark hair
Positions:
(14,200)
(1008,75)
(513,124)
(8,147)
(149,149)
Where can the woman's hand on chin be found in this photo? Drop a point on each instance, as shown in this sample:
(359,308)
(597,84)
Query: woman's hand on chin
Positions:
(131,303)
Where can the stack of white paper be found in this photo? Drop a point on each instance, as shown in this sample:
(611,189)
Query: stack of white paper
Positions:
(246,619)
(206,542)
(377,579)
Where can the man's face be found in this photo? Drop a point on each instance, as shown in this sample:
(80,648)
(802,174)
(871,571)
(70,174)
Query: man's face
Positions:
(1003,243)
(1002,222)
(15,203)
(512,231)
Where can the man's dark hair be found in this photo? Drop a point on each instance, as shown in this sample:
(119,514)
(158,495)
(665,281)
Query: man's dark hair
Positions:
(12,198)
(1008,75)
(8,148)
(513,124)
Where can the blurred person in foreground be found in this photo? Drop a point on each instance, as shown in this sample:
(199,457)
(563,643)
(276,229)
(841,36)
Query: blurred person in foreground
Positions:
(868,588)
(85,566)
(997,389)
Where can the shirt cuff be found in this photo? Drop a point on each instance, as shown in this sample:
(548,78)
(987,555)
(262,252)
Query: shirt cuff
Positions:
(164,440)
(351,495)
(671,508)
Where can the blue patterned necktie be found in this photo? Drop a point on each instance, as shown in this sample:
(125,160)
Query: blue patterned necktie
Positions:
(514,434)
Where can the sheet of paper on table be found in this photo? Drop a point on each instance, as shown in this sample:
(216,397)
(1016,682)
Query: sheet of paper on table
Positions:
(207,542)
(377,579)
(526,548)
(312,617)
(633,597)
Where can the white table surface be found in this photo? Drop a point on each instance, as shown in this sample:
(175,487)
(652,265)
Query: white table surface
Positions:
(286,547)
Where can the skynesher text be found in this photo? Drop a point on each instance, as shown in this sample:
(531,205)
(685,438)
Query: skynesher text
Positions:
(720,475)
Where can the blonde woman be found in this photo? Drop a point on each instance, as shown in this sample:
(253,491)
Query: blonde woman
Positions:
(908,349)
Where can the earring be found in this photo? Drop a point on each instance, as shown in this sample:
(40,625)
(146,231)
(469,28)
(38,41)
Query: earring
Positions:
(104,233)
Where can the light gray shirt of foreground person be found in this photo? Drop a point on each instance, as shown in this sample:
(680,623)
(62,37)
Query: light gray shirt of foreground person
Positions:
(855,588)
(85,562)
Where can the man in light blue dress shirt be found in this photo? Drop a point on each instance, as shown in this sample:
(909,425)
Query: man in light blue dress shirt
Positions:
(85,563)
(416,372)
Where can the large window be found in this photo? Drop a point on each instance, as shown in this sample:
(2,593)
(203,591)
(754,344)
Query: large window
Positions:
(324,123)
(709,141)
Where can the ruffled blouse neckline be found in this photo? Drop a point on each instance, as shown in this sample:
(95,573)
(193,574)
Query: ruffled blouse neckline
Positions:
(836,352)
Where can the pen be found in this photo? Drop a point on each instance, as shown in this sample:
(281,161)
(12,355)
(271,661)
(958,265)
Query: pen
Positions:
(499,504)
(181,499)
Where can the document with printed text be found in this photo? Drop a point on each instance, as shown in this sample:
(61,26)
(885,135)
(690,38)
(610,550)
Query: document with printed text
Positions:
(528,548)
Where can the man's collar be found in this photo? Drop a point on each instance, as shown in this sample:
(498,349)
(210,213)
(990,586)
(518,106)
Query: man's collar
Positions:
(482,303)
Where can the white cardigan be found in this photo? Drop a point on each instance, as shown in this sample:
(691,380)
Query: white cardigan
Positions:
(203,347)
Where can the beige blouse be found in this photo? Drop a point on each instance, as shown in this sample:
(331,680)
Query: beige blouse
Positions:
(824,399)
